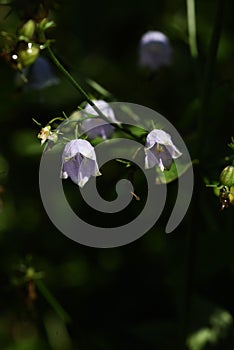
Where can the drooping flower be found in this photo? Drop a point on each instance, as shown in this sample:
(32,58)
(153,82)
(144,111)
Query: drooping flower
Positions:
(79,162)
(160,150)
(94,127)
(38,76)
(155,50)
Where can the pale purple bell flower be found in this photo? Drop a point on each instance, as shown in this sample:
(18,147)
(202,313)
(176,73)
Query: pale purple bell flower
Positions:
(39,75)
(79,162)
(94,127)
(154,50)
(160,150)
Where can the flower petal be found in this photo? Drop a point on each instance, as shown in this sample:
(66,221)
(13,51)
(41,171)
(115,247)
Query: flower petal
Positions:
(155,50)
(150,159)
(78,146)
(158,136)
(39,75)
(87,169)
(104,108)
(160,150)
(71,169)
(79,162)
(95,127)
(162,138)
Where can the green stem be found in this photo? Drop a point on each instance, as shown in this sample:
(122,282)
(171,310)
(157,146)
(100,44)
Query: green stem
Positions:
(73,81)
(76,85)
(204,123)
(209,71)
(82,92)
(52,300)
(191,18)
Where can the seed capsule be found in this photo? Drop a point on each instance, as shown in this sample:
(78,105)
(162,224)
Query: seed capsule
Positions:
(28,56)
(227,176)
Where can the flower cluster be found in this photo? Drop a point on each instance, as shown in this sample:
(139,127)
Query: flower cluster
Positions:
(79,159)
(22,52)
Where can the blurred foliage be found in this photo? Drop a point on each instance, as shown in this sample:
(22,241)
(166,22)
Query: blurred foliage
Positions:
(161,291)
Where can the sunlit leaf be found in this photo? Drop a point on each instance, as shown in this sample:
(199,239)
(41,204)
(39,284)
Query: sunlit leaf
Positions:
(177,169)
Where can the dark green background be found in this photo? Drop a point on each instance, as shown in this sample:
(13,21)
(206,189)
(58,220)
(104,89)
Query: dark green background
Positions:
(153,292)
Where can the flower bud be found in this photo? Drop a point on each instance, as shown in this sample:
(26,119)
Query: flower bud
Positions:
(27,30)
(227,176)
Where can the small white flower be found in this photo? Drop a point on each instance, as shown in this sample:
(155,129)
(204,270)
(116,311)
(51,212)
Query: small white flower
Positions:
(155,50)
(79,162)
(44,134)
(160,150)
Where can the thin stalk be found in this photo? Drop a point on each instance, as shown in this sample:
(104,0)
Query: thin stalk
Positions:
(192,31)
(203,125)
(203,122)
(52,301)
(73,81)
(82,92)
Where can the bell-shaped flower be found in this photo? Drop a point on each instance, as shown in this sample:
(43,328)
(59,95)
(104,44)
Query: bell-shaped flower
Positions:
(160,150)
(94,127)
(155,50)
(79,162)
(38,76)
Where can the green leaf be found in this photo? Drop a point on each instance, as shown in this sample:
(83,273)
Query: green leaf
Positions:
(177,169)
